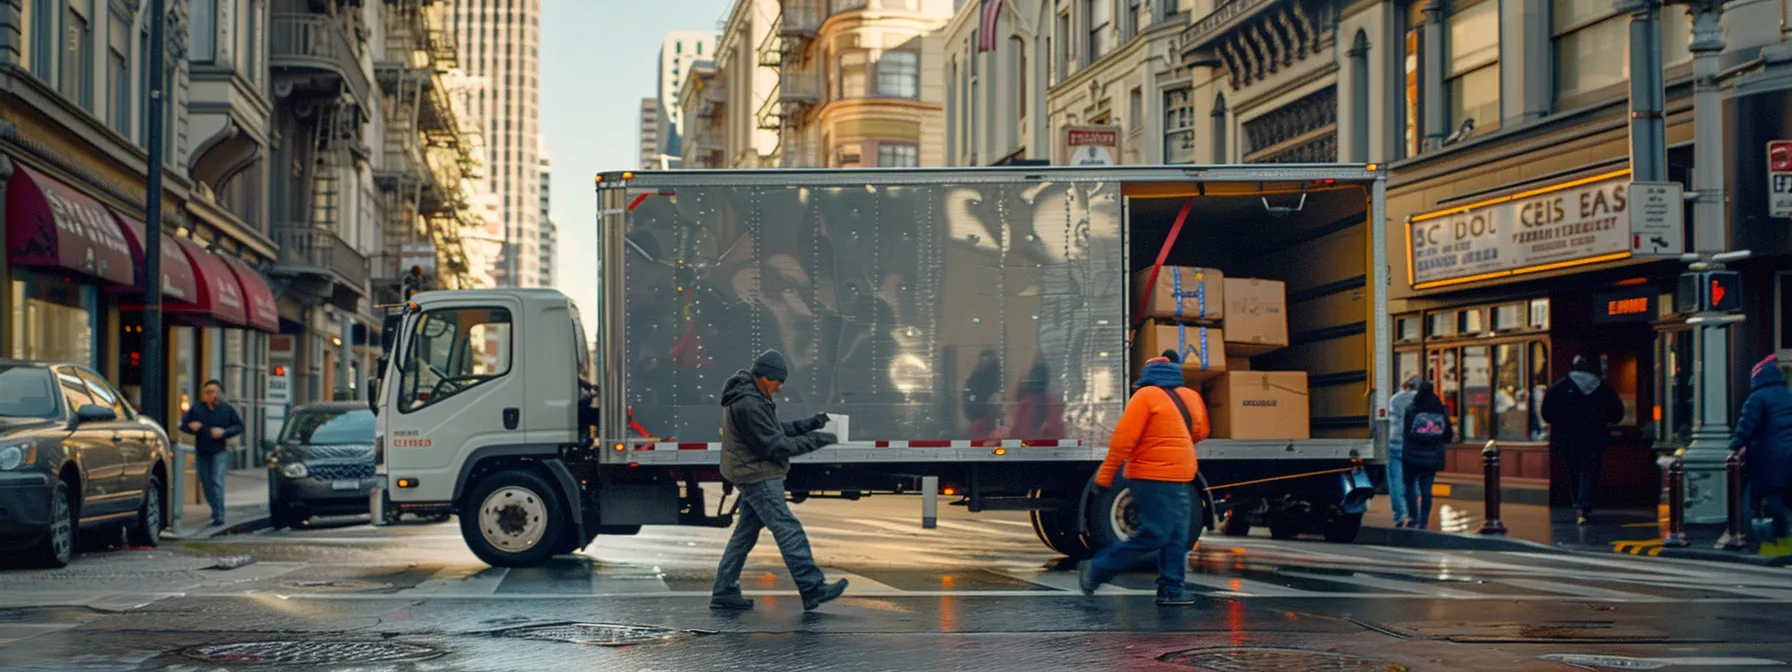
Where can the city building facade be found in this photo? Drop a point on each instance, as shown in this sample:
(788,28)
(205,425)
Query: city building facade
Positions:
(679,52)
(647,132)
(702,104)
(859,83)
(550,232)
(749,88)
(499,43)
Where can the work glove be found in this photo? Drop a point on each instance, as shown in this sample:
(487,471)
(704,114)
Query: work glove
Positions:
(820,420)
(824,439)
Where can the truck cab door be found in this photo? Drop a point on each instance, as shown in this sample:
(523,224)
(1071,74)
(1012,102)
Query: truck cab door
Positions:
(456,388)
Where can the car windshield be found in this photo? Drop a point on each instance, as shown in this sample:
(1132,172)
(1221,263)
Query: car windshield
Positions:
(330,427)
(26,392)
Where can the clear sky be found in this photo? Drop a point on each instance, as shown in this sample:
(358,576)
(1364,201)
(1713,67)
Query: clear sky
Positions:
(599,58)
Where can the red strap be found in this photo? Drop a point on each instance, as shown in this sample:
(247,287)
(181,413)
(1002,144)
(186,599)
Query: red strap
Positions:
(1162,255)
(636,425)
(637,202)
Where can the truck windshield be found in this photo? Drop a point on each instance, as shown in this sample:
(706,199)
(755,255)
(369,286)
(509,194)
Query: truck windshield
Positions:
(452,350)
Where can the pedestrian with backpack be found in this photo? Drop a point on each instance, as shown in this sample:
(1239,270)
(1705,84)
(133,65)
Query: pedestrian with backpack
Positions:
(1765,429)
(1155,439)
(1427,432)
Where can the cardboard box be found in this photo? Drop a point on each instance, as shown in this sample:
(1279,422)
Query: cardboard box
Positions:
(1238,363)
(1203,349)
(1183,293)
(1256,316)
(1260,405)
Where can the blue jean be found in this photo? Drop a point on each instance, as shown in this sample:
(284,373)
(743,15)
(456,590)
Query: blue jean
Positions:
(762,507)
(1163,529)
(212,469)
(1397,487)
(1418,495)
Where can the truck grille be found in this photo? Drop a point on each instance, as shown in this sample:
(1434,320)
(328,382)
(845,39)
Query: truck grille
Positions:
(341,472)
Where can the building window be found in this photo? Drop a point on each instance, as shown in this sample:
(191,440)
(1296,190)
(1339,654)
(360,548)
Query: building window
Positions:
(1415,22)
(1179,126)
(252,55)
(1061,57)
(42,19)
(1473,79)
(203,30)
(77,58)
(899,74)
(1592,45)
(1129,22)
(118,73)
(854,69)
(1101,20)
(1135,110)
(893,155)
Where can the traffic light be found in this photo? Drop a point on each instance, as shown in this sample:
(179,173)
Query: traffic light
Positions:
(1709,291)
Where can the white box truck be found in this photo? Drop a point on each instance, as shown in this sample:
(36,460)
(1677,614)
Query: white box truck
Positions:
(971,326)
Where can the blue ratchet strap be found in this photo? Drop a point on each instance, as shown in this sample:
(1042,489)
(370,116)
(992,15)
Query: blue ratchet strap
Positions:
(1182,344)
(1176,290)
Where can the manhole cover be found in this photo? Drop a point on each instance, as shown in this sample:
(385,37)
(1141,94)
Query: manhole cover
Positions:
(1253,659)
(600,634)
(340,586)
(310,653)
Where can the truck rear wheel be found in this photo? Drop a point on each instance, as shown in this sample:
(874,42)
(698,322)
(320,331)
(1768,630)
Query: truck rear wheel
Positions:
(513,519)
(1237,523)
(1059,531)
(1343,528)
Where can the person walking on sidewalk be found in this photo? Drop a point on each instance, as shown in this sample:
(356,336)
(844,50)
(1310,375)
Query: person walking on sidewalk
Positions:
(1427,430)
(1579,408)
(756,452)
(1396,475)
(1765,429)
(1156,440)
(213,423)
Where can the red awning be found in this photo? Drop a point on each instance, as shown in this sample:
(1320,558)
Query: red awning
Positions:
(178,283)
(220,296)
(49,223)
(264,314)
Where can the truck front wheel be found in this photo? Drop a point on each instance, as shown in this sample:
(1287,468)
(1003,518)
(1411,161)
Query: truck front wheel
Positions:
(1114,515)
(1343,528)
(1059,531)
(513,519)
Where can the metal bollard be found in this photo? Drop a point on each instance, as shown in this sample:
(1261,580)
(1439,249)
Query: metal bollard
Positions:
(1490,464)
(1675,533)
(930,495)
(1734,539)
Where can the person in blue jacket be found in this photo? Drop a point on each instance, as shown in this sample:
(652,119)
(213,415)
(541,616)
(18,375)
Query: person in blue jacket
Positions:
(213,423)
(1765,429)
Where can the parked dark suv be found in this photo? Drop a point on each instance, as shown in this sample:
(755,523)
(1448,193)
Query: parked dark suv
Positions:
(323,464)
(74,455)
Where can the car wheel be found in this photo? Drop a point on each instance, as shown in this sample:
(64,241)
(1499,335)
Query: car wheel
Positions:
(57,547)
(146,531)
(281,515)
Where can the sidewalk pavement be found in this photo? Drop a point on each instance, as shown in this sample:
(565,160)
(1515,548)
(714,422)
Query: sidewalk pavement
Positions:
(1456,523)
(245,506)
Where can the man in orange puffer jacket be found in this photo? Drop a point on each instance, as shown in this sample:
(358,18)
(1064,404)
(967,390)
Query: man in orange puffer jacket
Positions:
(1156,441)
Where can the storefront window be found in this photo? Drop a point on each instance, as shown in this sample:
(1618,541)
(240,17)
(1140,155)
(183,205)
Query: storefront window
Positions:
(52,324)
(1511,402)
(1539,363)
(181,343)
(1406,365)
(1448,383)
(1477,395)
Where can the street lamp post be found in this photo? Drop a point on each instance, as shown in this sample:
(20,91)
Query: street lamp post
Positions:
(154,372)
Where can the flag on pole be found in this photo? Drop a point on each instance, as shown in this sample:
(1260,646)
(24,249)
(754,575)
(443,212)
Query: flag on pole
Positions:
(992,13)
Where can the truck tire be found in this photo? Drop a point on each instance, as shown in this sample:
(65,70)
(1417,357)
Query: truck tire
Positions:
(1284,527)
(1112,516)
(1058,531)
(1236,524)
(513,519)
(1342,529)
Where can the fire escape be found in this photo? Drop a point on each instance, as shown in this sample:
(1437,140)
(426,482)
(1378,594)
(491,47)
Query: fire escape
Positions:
(791,49)
(423,157)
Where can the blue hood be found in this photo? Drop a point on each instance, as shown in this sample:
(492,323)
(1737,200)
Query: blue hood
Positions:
(1768,376)
(1160,374)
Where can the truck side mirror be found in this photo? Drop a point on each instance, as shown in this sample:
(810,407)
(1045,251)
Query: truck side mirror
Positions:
(373,394)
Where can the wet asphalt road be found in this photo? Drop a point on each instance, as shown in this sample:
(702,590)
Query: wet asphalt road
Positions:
(979,593)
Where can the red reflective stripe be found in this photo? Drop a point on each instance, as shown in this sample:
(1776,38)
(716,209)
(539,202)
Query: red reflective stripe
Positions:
(930,444)
(693,446)
(1163,254)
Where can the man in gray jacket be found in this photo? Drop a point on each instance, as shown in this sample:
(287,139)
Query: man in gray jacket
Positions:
(756,452)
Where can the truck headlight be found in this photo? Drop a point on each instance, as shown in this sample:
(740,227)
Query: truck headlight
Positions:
(13,456)
(295,470)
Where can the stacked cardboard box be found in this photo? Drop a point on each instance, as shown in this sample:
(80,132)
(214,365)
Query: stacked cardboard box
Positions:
(1218,324)
(1259,405)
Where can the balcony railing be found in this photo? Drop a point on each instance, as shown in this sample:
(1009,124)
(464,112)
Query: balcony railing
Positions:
(801,18)
(321,248)
(318,43)
(799,86)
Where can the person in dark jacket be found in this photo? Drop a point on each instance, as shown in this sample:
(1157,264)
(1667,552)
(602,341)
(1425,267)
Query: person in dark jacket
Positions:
(1765,429)
(1579,408)
(756,452)
(1426,432)
(213,424)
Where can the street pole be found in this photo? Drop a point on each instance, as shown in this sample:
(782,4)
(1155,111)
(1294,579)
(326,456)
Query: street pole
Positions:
(1648,124)
(154,372)
(1706,489)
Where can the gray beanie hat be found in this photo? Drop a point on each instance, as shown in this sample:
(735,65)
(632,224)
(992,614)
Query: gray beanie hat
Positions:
(771,365)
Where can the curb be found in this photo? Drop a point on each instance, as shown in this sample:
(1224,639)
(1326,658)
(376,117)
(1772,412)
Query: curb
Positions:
(1652,548)
(1442,541)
